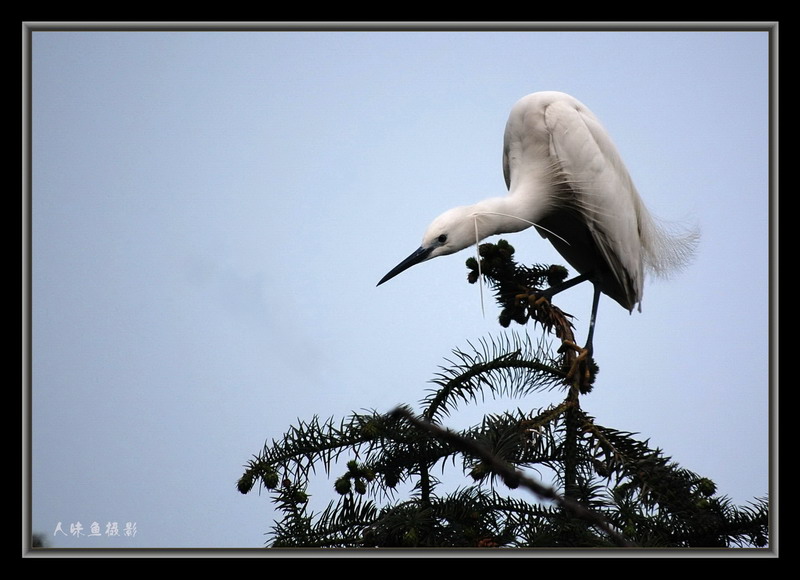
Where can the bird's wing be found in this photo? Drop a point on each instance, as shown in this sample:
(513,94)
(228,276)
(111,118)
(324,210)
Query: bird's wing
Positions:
(604,192)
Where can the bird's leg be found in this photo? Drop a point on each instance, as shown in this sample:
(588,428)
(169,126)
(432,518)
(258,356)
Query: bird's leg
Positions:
(590,336)
(580,363)
(553,290)
(547,295)
(579,360)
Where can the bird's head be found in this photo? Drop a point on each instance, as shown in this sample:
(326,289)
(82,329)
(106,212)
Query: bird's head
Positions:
(451,232)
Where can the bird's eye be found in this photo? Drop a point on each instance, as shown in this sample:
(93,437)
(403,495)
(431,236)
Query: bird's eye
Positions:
(442,238)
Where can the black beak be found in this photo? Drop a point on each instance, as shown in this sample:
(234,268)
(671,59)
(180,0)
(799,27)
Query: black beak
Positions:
(419,255)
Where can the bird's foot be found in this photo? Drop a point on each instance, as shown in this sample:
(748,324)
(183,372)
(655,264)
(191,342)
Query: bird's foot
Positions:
(582,368)
(541,298)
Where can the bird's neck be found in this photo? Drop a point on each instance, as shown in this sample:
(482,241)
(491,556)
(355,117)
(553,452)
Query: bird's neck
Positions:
(501,215)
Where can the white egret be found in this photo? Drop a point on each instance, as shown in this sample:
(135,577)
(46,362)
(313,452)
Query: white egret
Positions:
(566,179)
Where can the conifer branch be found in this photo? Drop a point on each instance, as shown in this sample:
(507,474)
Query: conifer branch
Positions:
(511,476)
(507,367)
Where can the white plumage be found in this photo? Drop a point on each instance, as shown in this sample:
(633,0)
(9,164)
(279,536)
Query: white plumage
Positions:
(566,179)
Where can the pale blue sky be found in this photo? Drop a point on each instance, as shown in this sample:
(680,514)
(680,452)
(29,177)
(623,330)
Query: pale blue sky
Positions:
(211,212)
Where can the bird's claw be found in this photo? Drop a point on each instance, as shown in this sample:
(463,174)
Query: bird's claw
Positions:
(582,367)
